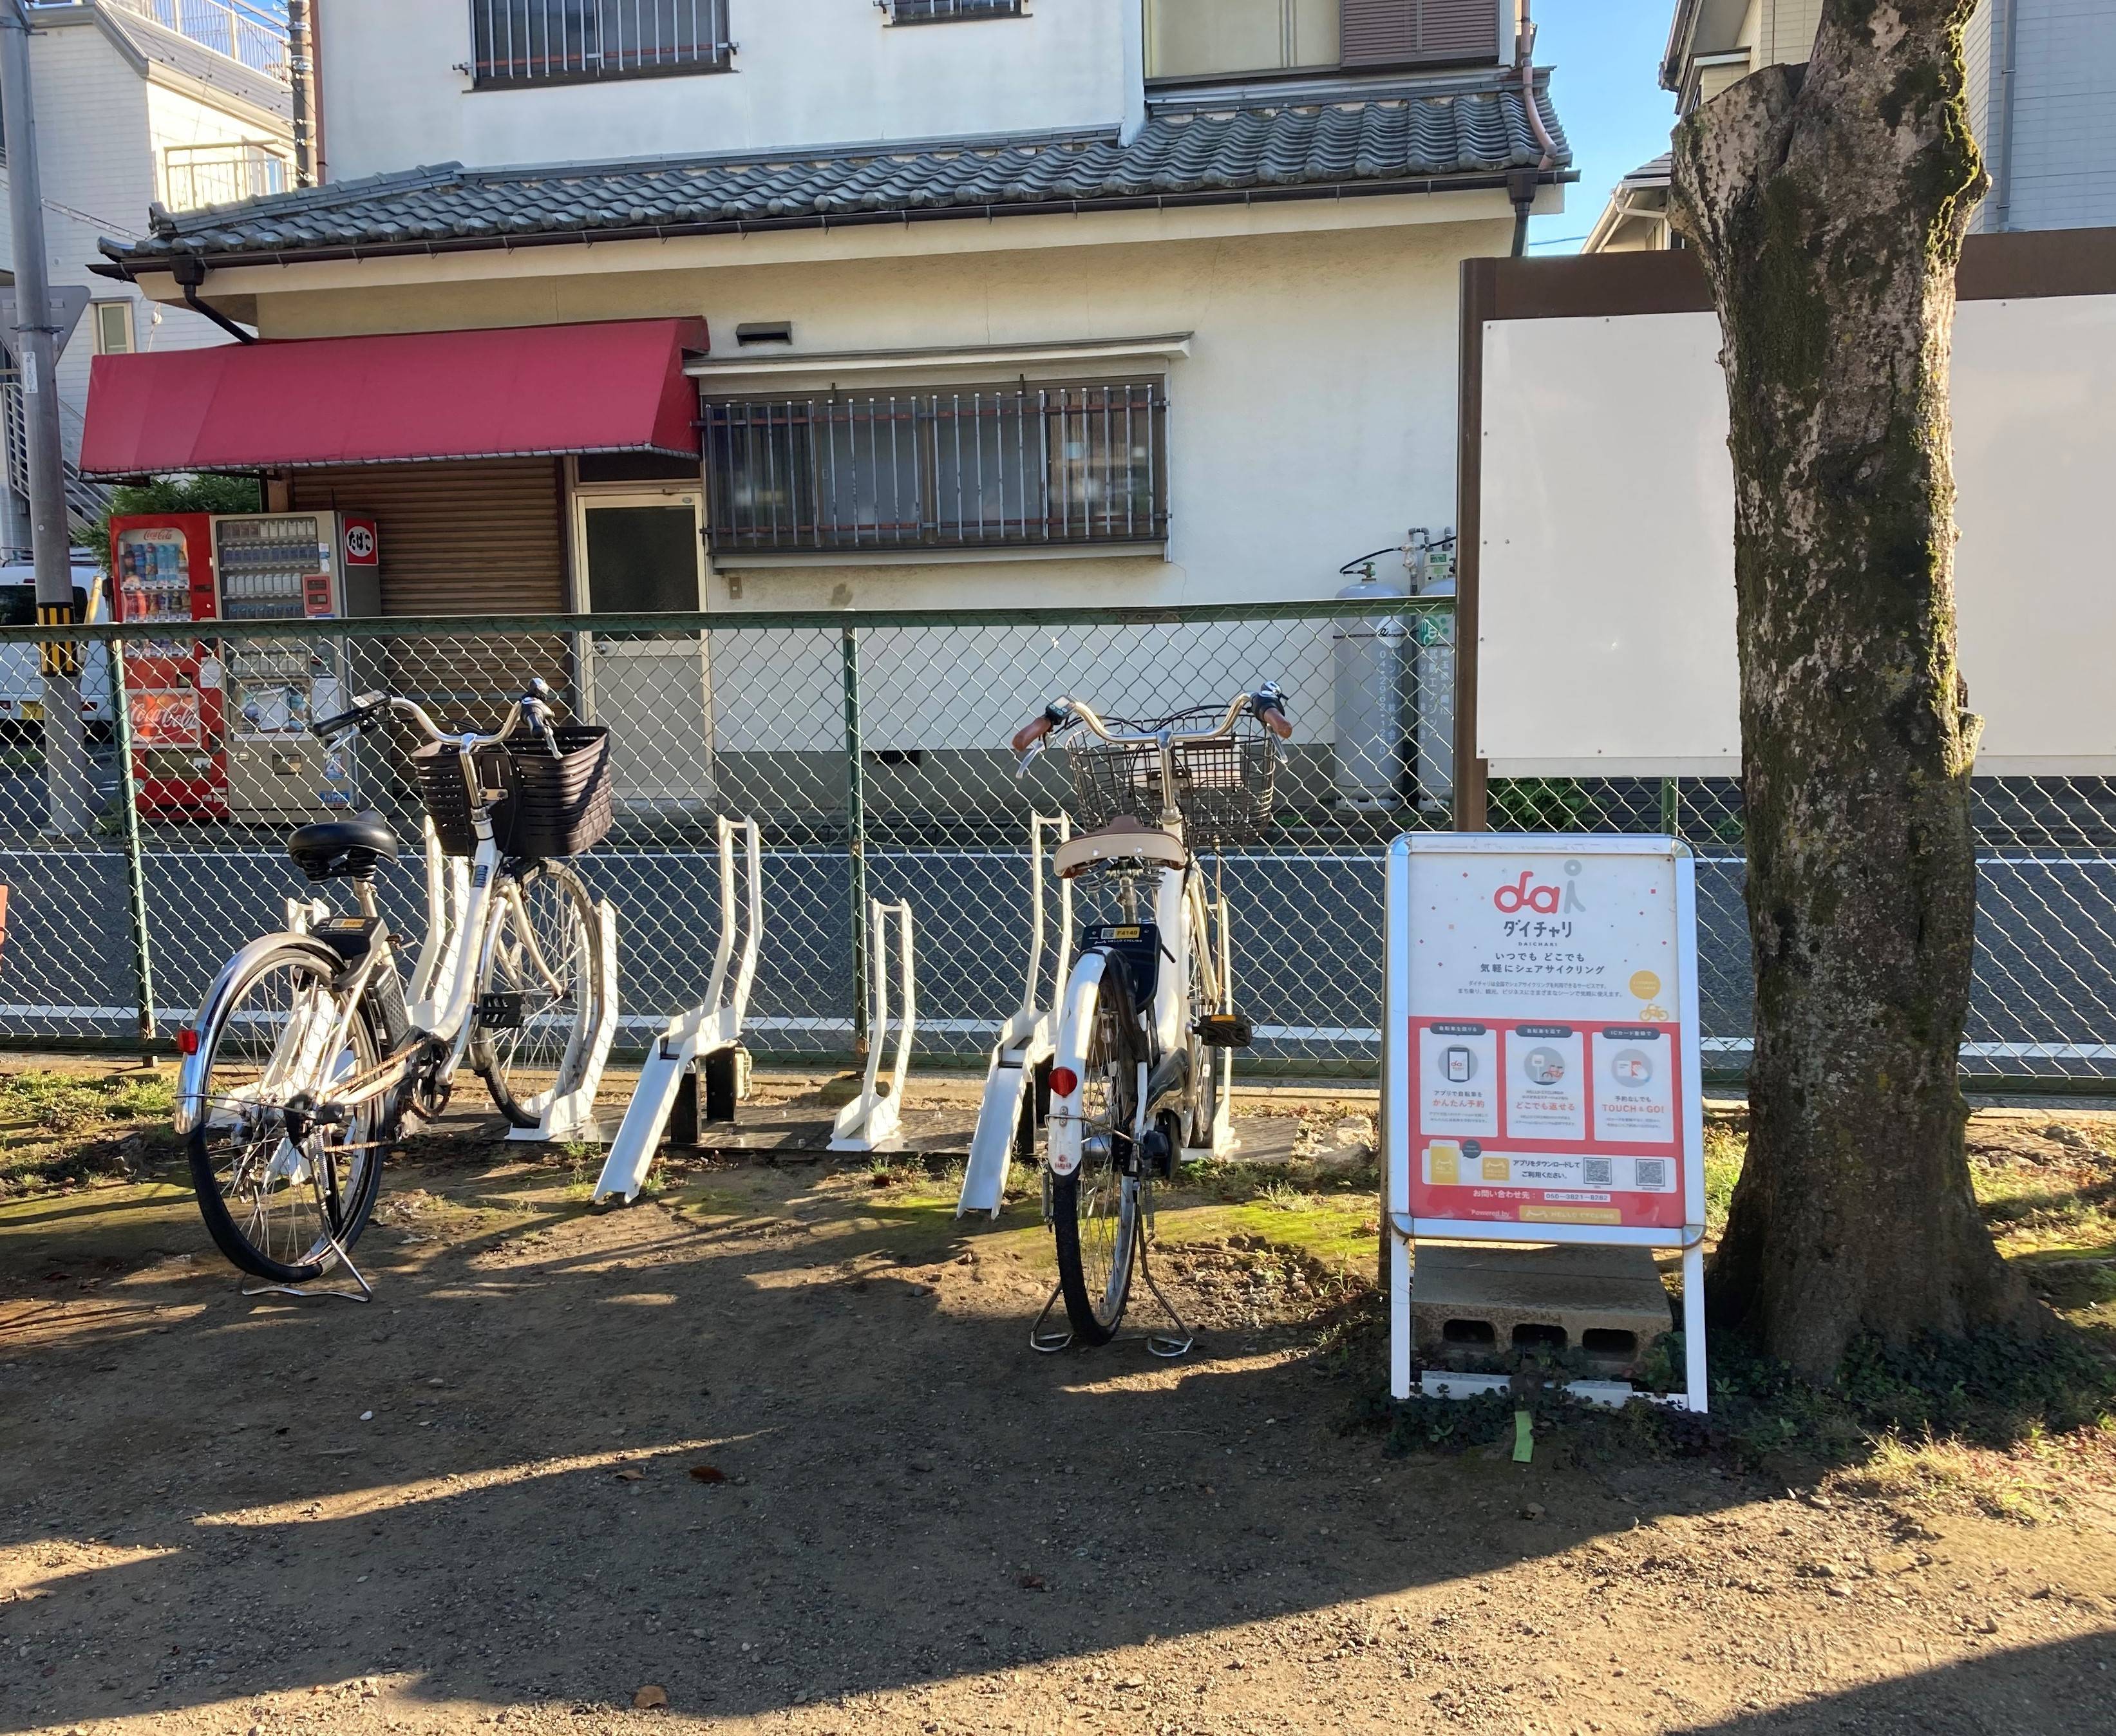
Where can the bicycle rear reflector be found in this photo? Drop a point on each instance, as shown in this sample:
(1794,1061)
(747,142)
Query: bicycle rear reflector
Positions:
(1063,1081)
(187,1041)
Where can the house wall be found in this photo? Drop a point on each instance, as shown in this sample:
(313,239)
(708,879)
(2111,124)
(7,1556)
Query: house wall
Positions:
(1338,346)
(175,118)
(2064,124)
(100,127)
(807,71)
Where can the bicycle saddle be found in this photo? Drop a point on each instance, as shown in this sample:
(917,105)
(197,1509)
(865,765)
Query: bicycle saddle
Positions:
(1121,840)
(340,849)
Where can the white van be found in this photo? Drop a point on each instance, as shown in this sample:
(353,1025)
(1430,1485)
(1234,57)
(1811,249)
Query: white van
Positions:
(22,680)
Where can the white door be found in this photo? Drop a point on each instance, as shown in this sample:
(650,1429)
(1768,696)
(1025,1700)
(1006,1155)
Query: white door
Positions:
(640,552)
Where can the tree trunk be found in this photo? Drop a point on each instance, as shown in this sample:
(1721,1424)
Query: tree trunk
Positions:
(1828,202)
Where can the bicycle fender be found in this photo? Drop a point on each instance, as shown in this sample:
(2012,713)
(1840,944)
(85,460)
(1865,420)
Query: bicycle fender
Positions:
(1076,1018)
(191,1076)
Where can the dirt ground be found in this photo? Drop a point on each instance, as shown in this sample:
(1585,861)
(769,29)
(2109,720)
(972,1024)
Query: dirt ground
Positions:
(770,1450)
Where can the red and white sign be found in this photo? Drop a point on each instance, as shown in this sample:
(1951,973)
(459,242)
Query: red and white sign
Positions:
(1546,1070)
(363,547)
(1540,1054)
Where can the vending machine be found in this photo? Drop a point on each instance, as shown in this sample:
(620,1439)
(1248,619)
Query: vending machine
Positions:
(161,571)
(294,567)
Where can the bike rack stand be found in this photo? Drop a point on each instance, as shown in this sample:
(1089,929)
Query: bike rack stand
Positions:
(871,1121)
(571,1118)
(705,1040)
(1006,1119)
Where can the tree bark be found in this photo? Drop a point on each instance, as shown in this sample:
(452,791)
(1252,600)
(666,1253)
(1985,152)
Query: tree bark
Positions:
(1828,202)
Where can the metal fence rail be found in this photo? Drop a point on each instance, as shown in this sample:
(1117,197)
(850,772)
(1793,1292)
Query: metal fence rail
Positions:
(871,749)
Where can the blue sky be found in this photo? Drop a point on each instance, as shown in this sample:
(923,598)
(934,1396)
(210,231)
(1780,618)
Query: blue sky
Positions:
(1605,78)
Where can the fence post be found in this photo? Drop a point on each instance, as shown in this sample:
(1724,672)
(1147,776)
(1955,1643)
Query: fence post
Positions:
(136,865)
(1671,807)
(856,836)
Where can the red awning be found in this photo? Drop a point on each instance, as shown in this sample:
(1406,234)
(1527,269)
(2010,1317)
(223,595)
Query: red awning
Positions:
(513,393)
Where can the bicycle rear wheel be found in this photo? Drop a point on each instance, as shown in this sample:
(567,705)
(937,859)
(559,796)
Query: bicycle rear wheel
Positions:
(275,1188)
(1095,1210)
(540,994)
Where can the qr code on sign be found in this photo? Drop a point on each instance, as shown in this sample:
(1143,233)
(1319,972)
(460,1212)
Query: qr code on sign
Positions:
(1595,1172)
(1651,1174)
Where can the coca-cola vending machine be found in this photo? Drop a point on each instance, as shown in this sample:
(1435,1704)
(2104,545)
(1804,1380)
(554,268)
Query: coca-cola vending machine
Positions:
(162,571)
(304,566)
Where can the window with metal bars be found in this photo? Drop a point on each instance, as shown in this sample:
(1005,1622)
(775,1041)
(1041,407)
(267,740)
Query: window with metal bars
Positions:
(556,42)
(951,467)
(947,11)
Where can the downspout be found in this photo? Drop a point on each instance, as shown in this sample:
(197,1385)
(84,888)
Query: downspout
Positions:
(1521,184)
(297,79)
(189,271)
(2002,170)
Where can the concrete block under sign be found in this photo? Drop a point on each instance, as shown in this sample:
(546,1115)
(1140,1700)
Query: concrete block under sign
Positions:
(1473,1302)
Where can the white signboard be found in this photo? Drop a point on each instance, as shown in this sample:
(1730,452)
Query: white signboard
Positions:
(1540,1052)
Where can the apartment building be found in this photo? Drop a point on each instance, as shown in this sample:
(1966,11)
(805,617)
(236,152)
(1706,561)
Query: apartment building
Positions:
(2040,74)
(139,104)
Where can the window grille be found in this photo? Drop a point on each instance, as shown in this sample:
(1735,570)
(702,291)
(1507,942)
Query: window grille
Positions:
(534,42)
(946,12)
(955,467)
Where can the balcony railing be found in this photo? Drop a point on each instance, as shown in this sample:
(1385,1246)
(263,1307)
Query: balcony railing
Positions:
(195,175)
(995,468)
(546,42)
(244,31)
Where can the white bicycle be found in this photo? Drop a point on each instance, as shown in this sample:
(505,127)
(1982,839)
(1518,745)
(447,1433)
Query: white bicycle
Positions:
(1147,1021)
(311,1047)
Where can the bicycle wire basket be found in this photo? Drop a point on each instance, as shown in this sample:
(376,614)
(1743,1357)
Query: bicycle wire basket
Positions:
(1224,788)
(541,806)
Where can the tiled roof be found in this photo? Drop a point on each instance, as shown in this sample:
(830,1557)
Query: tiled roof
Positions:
(1412,138)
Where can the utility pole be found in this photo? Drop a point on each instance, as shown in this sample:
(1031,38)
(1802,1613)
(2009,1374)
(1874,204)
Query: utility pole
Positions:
(72,794)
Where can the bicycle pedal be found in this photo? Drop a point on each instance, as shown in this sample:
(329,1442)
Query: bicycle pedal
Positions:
(503,1010)
(1226,1031)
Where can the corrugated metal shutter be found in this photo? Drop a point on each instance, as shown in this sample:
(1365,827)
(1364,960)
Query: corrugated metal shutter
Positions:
(1391,32)
(483,537)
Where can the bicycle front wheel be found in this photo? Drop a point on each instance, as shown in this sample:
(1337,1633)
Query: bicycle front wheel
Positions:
(277,1188)
(539,993)
(1095,1210)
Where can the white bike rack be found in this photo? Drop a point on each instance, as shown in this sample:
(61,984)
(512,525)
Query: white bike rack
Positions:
(1025,1042)
(571,1118)
(695,1041)
(870,1121)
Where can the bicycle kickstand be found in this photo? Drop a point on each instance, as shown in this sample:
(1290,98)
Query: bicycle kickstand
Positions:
(1050,1344)
(302,1293)
(1166,1345)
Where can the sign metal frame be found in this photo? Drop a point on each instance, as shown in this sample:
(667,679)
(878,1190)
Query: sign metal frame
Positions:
(1396,1108)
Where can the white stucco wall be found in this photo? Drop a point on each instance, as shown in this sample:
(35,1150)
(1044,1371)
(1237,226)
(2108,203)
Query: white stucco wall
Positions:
(1314,419)
(809,71)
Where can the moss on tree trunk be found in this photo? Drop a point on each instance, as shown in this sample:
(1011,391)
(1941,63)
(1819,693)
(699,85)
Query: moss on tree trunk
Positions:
(1828,202)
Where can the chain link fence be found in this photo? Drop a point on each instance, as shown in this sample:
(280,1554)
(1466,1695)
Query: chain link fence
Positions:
(871,749)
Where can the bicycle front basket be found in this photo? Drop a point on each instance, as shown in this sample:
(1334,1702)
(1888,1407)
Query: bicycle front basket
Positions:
(554,807)
(1226,787)
(1115,780)
(447,796)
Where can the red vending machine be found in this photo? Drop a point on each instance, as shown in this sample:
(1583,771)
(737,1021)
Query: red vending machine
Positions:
(161,571)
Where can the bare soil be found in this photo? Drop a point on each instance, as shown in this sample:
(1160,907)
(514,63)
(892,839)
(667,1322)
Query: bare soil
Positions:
(770,1450)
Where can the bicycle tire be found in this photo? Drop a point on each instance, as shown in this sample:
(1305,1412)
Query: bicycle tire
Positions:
(289,1254)
(525,1065)
(1094,1211)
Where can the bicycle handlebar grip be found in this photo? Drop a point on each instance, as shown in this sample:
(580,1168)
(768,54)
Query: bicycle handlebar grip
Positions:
(361,714)
(1029,734)
(1275,720)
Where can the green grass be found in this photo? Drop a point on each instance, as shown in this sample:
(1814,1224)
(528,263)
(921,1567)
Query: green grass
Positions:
(60,1130)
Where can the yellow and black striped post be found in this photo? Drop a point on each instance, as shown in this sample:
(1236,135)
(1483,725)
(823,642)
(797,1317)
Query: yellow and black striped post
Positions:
(58,657)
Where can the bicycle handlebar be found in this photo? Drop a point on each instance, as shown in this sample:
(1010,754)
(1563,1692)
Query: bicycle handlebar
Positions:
(533,708)
(1266,704)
